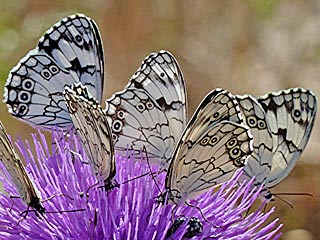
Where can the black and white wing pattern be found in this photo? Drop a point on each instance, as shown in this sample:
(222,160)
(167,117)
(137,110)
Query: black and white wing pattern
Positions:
(12,162)
(260,162)
(151,111)
(69,52)
(92,127)
(290,116)
(213,146)
(281,125)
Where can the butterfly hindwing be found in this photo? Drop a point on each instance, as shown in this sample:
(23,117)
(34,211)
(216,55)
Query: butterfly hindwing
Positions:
(69,52)
(92,127)
(12,162)
(212,160)
(219,105)
(32,97)
(290,115)
(260,162)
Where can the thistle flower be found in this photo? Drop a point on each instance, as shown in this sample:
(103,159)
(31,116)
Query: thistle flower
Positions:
(128,212)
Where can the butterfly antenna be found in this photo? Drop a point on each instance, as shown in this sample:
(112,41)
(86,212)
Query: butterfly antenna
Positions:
(285,201)
(278,195)
(150,170)
(143,175)
(293,194)
(57,195)
(91,187)
(65,195)
(64,211)
(36,212)
(12,204)
(199,209)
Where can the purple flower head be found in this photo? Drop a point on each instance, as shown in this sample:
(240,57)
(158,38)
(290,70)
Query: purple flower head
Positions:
(128,212)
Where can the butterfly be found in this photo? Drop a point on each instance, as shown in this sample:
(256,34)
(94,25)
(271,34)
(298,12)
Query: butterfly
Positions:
(281,124)
(151,111)
(213,146)
(71,51)
(12,162)
(92,127)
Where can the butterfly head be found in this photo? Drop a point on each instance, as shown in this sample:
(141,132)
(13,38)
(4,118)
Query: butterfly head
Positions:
(268,196)
(169,197)
(37,205)
(110,184)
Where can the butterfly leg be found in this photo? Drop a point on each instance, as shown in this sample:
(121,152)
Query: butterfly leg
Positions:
(24,215)
(144,150)
(265,207)
(91,187)
(247,212)
(174,210)
(11,207)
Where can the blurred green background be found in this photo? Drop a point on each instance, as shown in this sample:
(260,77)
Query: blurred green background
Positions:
(245,46)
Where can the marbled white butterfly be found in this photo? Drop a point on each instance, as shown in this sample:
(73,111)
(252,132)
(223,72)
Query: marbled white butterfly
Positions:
(213,146)
(281,124)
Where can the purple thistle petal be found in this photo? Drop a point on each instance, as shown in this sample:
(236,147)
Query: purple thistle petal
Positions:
(127,212)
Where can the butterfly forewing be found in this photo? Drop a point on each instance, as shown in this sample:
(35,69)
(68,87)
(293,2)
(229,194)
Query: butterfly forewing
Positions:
(211,148)
(260,161)
(71,51)
(160,76)
(138,122)
(10,159)
(151,111)
(92,127)
(217,106)
(212,160)
(290,115)
(75,44)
